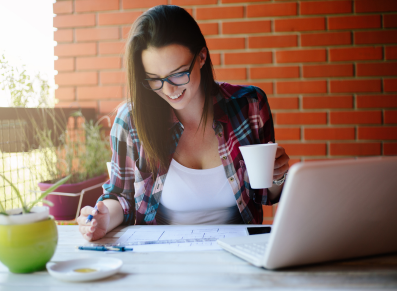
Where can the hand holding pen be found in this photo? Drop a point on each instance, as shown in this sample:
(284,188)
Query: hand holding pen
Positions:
(93,221)
(90,217)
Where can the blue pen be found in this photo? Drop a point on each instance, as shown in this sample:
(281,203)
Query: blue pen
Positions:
(103,248)
(90,217)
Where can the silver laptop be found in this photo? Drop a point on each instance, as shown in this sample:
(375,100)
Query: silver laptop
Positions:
(329,210)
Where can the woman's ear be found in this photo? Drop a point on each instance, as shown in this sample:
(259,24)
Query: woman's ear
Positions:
(203,56)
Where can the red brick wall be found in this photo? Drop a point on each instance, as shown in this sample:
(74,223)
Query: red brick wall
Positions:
(329,68)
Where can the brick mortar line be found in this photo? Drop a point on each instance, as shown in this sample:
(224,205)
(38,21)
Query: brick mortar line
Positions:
(231,5)
(237,50)
(302,135)
(298,16)
(222,21)
(383,117)
(382,21)
(317,126)
(329,110)
(328,149)
(321,79)
(274,57)
(304,95)
(355,101)
(295,33)
(328,86)
(299,34)
(266,50)
(300,102)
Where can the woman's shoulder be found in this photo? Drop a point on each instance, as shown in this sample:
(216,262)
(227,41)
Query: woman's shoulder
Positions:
(247,100)
(122,125)
(123,116)
(247,93)
(124,110)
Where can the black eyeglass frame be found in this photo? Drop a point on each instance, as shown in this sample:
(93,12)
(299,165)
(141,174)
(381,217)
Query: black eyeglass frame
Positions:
(188,72)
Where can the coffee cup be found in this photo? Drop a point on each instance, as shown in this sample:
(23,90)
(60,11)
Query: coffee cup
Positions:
(259,161)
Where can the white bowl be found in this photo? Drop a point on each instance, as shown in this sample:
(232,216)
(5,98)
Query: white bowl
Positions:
(66,270)
(38,213)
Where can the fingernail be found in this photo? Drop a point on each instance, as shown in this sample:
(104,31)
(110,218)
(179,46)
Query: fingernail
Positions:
(92,228)
(93,212)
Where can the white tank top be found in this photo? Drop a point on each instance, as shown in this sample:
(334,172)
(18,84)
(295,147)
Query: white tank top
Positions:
(192,196)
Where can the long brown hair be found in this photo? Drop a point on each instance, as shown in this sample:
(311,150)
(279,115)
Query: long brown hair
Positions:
(158,27)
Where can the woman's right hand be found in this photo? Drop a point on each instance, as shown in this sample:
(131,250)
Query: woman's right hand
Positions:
(95,229)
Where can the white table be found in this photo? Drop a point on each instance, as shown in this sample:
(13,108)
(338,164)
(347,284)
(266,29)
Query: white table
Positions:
(209,270)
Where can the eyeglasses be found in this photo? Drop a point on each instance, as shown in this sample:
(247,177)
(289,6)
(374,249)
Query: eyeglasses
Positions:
(177,79)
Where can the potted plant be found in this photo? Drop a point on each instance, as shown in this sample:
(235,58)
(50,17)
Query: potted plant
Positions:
(61,150)
(81,153)
(28,235)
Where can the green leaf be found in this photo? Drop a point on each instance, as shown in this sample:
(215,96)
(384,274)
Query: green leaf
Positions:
(49,203)
(76,113)
(24,208)
(48,191)
(2,209)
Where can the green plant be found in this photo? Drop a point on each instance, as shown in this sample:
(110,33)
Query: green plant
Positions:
(26,89)
(27,207)
(80,152)
(96,152)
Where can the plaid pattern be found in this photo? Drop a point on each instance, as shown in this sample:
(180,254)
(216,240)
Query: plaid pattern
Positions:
(241,117)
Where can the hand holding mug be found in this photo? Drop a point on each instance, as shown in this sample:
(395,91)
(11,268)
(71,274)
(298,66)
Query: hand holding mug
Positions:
(265,163)
(281,165)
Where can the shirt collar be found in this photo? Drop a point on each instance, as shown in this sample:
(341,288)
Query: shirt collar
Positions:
(219,102)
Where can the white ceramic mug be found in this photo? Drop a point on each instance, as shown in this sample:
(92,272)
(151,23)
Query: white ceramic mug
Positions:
(259,161)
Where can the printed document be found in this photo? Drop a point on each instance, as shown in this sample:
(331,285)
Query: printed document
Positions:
(171,238)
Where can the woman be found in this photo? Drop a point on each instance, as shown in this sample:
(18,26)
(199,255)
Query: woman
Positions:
(175,144)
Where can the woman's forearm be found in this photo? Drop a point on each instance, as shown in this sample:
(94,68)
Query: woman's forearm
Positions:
(274,192)
(116,213)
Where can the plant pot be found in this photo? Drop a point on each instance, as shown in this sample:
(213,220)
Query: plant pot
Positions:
(37,213)
(65,207)
(26,248)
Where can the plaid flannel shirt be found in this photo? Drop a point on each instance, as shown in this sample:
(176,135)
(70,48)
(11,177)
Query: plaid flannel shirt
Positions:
(241,117)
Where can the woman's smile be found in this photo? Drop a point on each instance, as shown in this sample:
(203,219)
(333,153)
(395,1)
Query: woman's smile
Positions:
(176,96)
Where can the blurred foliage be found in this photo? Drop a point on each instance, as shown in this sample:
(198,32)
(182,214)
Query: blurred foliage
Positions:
(82,149)
(27,207)
(25,89)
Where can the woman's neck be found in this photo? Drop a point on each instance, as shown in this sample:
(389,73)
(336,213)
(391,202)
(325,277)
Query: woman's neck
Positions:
(190,116)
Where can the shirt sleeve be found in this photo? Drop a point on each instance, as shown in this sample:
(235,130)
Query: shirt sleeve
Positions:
(266,130)
(120,186)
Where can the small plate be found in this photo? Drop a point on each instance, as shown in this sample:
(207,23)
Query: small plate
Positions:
(84,269)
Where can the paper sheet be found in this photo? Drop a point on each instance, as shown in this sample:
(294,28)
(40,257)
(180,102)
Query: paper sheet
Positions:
(158,233)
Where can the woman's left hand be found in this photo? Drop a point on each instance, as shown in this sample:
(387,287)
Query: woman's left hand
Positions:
(281,165)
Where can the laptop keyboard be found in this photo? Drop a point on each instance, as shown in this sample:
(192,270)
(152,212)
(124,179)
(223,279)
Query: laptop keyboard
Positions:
(253,249)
